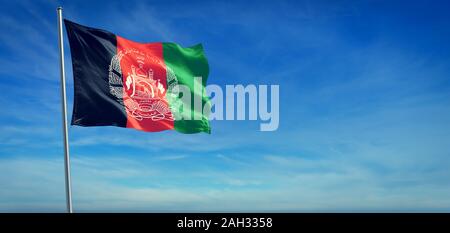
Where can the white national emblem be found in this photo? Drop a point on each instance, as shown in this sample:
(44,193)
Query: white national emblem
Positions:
(143,97)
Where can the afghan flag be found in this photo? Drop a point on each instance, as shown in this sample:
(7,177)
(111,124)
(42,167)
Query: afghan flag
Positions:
(145,86)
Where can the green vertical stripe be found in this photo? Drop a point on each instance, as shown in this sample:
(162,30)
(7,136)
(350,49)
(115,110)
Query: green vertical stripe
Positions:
(187,63)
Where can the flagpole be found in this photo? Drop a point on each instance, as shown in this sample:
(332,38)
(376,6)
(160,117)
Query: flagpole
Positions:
(64,114)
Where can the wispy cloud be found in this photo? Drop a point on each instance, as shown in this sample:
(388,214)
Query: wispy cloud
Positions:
(103,184)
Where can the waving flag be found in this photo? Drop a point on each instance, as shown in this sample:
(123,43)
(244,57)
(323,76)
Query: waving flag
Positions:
(119,82)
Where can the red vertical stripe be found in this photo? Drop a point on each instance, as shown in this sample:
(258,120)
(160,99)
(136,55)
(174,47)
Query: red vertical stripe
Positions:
(144,85)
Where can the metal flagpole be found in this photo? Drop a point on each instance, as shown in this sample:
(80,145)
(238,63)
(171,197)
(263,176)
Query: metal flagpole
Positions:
(64,113)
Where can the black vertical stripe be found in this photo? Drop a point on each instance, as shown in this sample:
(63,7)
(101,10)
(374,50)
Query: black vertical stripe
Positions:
(92,50)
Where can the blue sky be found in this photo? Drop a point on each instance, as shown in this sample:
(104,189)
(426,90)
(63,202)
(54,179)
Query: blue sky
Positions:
(364,101)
